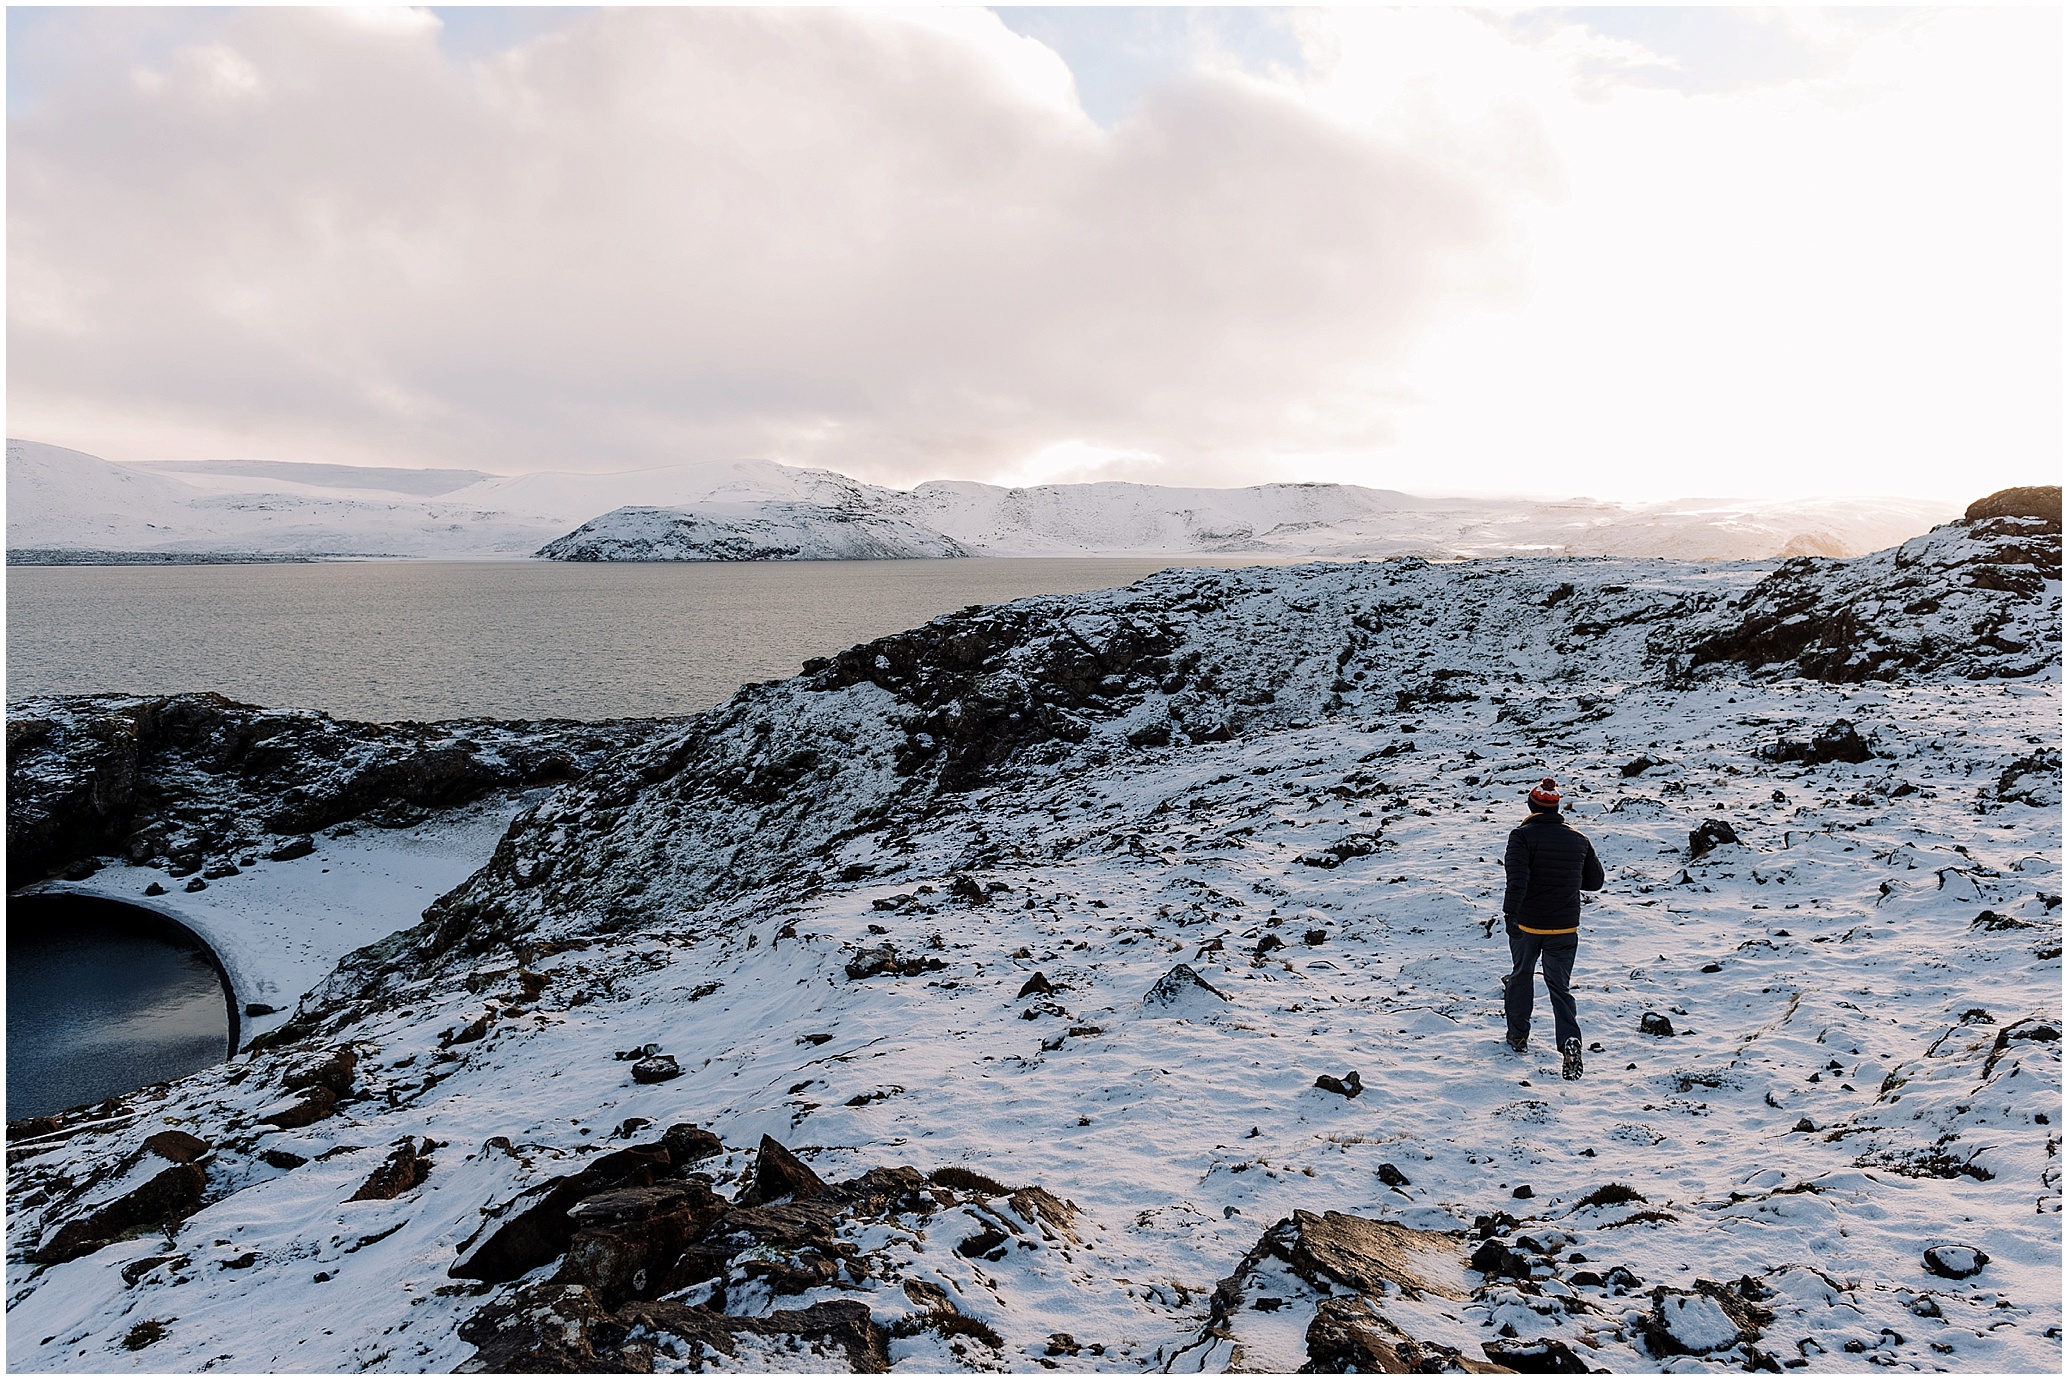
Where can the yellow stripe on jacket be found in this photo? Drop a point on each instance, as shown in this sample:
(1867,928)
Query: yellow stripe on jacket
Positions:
(1527,930)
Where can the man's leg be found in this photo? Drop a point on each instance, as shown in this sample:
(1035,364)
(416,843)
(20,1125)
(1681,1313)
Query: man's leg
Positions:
(1559,952)
(1519,988)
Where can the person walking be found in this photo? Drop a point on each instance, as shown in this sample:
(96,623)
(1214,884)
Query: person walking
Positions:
(1549,863)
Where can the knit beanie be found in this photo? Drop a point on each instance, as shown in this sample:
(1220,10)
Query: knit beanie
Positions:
(1545,796)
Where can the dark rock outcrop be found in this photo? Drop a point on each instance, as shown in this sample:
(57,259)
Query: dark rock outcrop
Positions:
(198,780)
(407,1165)
(167,1197)
(2041,501)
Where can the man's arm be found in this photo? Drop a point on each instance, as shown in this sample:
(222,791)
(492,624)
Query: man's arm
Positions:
(1591,876)
(1516,863)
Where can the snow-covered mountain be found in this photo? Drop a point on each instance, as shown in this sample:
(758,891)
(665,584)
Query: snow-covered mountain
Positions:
(986,997)
(63,503)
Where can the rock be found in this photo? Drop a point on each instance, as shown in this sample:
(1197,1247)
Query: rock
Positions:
(636,1052)
(215,872)
(1837,742)
(1365,1255)
(195,884)
(1955,1262)
(1652,1023)
(312,1106)
(180,1147)
(1712,833)
(155,889)
(1268,944)
(1523,1191)
(1036,986)
(1392,1177)
(687,1145)
(335,1071)
(1314,938)
(1347,1336)
(405,1168)
(1342,851)
(1690,1324)
(780,1176)
(2042,501)
(1344,1087)
(1181,986)
(166,1198)
(287,850)
(884,958)
(533,1235)
(470,1033)
(259,1008)
(1805,1124)
(137,1269)
(628,1241)
(283,1159)
(1540,1356)
(658,1069)
(1639,765)
(964,888)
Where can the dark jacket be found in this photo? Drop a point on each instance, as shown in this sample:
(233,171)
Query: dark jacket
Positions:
(1549,864)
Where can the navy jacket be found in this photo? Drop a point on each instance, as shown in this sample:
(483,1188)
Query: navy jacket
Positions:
(1549,864)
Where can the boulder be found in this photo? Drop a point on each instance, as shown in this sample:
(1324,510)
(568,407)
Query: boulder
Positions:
(1837,741)
(288,849)
(405,1168)
(686,1145)
(311,1107)
(167,1197)
(1652,1023)
(657,1069)
(780,1176)
(541,1230)
(336,1071)
(1536,1356)
(1350,1086)
(1711,834)
(1181,986)
(180,1147)
(1956,1262)
(628,1241)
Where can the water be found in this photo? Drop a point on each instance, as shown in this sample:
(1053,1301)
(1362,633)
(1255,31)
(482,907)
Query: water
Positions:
(102,1000)
(391,640)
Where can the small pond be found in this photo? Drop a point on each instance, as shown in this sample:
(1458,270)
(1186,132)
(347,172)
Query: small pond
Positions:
(104,998)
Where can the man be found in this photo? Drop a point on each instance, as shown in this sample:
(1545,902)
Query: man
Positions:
(1549,863)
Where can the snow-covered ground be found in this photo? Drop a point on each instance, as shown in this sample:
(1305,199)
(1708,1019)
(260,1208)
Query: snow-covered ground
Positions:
(829,902)
(62,500)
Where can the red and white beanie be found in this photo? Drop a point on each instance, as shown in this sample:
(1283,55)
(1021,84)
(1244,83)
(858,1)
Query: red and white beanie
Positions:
(1545,796)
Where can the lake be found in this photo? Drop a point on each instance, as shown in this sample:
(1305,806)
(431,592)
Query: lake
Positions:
(391,640)
(102,999)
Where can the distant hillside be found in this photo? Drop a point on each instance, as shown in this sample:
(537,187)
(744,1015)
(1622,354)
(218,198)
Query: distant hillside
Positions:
(65,501)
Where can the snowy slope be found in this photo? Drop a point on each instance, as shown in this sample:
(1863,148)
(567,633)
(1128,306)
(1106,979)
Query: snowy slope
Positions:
(829,902)
(64,500)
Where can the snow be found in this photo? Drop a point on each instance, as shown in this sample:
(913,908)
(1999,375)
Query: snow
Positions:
(767,531)
(706,892)
(65,500)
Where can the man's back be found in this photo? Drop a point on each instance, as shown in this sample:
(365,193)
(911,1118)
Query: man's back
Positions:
(1549,863)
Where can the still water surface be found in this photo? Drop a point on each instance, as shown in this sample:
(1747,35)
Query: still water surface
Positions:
(102,1000)
(394,640)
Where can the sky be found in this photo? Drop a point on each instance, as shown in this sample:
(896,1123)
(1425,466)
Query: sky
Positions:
(1626,253)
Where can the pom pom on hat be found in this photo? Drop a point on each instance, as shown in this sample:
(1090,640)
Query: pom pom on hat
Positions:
(1545,795)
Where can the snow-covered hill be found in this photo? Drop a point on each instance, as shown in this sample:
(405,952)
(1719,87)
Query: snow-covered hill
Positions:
(769,531)
(961,1003)
(64,501)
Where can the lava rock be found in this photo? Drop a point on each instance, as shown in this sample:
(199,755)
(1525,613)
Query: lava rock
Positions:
(168,1197)
(1181,986)
(336,1072)
(779,1176)
(1955,1262)
(1712,834)
(405,1168)
(658,1069)
(1350,1086)
(180,1147)
(312,1106)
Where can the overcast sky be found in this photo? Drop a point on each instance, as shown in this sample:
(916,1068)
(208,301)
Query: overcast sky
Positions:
(1625,253)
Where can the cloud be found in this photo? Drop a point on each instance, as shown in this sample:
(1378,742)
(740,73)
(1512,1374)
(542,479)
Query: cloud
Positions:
(890,243)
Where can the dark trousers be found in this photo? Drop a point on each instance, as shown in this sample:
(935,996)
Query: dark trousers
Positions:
(1557,952)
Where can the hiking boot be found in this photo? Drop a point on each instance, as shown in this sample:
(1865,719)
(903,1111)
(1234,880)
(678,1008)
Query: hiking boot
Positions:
(1517,1046)
(1573,1067)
